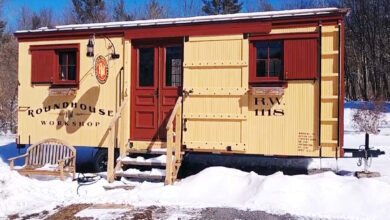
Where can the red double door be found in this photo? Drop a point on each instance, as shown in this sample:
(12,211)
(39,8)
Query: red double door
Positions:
(156,84)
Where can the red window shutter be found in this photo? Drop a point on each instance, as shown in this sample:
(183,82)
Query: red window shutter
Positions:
(43,66)
(300,59)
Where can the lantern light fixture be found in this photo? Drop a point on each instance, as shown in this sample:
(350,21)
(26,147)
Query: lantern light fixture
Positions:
(90,46)
(91,43)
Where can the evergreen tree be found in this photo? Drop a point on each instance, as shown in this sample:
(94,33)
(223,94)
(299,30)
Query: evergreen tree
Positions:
(2,23)
(2,28)
(214,7)
(120,13)
(89,11)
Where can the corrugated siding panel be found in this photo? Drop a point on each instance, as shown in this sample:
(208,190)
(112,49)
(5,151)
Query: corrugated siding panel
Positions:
(300,58)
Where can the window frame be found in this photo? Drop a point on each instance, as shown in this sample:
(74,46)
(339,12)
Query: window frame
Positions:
(253,64)
(55,76)
(164,82)
(273,37)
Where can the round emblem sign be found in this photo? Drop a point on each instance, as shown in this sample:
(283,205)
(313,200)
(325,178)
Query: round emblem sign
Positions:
(101,69)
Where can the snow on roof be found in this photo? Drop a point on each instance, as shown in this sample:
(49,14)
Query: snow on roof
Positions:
(191,20)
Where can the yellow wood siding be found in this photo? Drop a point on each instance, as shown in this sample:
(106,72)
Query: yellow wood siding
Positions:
(216,70)
(90,92)
(295,132)
(221,111)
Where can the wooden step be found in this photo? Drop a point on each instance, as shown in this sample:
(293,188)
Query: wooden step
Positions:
(142,176)
(160,151)
(144,163)
(157,151)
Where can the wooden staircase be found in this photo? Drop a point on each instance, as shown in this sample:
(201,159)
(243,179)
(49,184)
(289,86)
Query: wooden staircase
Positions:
(169,158)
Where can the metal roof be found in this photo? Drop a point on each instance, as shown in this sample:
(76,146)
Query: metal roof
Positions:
(192,20)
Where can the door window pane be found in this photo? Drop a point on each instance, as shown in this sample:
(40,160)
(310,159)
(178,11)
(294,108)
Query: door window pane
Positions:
(173,66)
(146,67)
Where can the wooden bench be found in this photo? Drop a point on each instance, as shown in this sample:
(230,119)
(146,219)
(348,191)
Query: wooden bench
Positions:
(51,156)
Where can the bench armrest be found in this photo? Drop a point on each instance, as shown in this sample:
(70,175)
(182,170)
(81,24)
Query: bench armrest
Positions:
(11,160)
(20,156)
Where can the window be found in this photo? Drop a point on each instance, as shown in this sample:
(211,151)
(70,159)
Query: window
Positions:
(57,65)
(67,65)
(269,60)
(146,67)
(288,57)
(173,66)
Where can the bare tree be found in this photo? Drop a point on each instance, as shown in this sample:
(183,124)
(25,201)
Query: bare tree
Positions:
(369,116)
(120,13)
(188,8)
(8,82)
(264,5)
(24,19)
(154,10)
(367,49)
(31,20)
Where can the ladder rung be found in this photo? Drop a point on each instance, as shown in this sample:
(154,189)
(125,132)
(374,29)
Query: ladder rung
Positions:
(330,97)
(329,120)
(330,75)
(334,52)
(328,142)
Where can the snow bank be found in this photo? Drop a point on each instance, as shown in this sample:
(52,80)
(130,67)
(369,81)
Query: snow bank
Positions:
(19,193)
(321,196)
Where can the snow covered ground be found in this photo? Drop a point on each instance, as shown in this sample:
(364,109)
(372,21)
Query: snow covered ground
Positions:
(6,138)
(324,195)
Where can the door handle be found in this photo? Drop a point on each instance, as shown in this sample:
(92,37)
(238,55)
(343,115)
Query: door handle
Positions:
(157,92)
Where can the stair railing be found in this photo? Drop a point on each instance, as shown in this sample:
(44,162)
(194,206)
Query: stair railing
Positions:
(174,143)
(111,147)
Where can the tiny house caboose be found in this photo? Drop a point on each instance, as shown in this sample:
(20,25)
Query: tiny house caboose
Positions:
(266,83)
